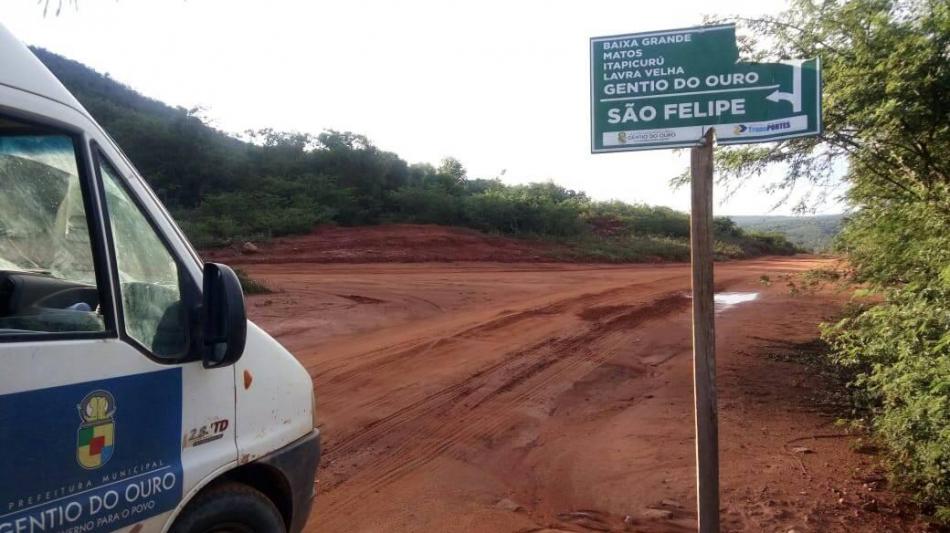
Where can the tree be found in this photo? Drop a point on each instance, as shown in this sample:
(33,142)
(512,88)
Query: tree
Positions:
(886,98)
(886,103)
(452,168)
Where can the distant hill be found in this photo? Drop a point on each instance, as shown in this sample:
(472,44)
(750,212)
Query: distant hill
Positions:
(225,190)
(182,158)
(814,233)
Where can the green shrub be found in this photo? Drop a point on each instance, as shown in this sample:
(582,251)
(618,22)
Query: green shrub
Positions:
(537,208)
(625,249)
(900,348)
(251,285)
(901,352)
(427,205)
(280,207)
(728,250)
(639,219)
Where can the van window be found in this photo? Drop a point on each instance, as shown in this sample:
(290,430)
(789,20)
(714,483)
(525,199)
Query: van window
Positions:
(47,274)
(149,280)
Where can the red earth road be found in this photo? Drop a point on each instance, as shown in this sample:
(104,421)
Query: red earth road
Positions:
(540,397)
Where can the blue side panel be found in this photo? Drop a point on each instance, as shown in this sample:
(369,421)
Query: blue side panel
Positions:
(93,456)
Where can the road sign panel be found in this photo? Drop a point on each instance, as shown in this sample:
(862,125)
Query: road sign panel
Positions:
(666,89)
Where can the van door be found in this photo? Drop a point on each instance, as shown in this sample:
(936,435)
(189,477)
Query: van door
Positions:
(107,418)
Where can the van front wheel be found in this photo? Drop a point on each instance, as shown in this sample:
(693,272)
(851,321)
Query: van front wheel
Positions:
(229,508)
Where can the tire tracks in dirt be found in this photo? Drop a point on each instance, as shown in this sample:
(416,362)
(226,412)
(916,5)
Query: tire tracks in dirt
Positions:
(480,406)
(381,357)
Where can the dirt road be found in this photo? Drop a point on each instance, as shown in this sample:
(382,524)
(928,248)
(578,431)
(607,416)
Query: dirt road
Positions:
(520,397)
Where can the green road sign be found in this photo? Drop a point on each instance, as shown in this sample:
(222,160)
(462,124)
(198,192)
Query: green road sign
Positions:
(665,89)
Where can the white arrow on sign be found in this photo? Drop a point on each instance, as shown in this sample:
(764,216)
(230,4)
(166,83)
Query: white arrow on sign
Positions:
(795,97)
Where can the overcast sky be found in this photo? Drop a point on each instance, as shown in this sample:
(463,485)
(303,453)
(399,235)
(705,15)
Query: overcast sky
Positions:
(500,85)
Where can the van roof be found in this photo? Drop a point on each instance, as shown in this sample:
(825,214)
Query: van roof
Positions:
(22,70)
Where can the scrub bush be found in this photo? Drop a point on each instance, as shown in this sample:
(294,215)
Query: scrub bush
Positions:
(886,100)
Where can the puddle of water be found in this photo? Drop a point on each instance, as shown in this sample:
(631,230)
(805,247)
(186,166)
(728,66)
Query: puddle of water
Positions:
(725,300)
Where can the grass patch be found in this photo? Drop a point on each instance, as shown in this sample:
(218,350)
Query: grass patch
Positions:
(811,281)
(627,248)
(622,249)
(251,285)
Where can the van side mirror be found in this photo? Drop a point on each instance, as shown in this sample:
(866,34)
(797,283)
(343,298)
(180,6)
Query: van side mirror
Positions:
(224,319)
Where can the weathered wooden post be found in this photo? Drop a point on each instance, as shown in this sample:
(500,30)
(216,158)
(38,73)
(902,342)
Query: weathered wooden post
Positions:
(704,335)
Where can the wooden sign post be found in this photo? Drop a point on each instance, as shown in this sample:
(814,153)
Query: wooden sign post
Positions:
(704,335)
(668,89)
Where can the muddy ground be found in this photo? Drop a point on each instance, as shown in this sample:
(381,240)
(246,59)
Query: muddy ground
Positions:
(525,397)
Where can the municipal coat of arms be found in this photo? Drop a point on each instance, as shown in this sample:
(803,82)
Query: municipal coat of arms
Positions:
(95,440)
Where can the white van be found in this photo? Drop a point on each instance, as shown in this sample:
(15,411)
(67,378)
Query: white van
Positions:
(134,393)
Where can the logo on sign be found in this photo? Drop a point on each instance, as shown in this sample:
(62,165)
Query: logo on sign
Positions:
(765,128)
(95,439)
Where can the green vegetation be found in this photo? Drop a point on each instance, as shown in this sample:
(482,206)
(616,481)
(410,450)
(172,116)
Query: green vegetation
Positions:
(887,112)
(269,183)
(814,233)
(251,285)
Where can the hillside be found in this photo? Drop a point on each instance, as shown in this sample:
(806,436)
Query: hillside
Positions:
(815,233)
(182,158)
(226,190)
(389,243)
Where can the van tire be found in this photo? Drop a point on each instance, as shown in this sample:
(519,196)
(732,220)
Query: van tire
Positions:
(229,508)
